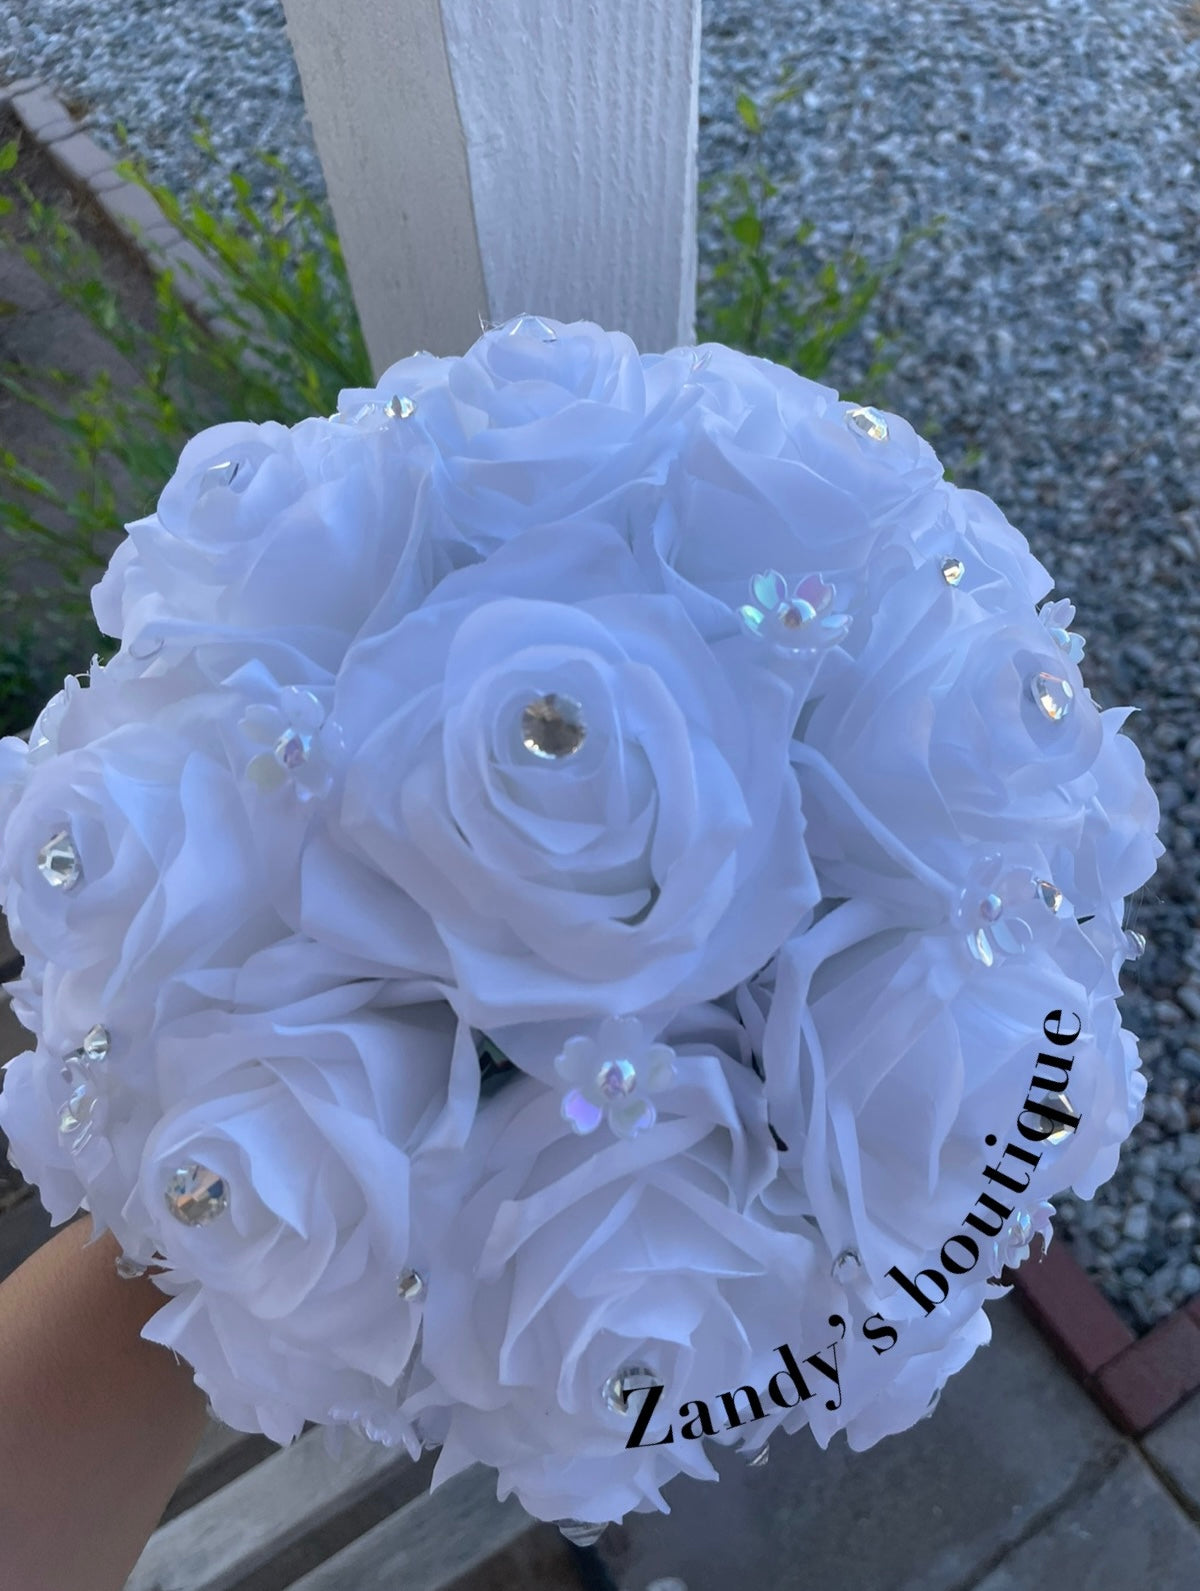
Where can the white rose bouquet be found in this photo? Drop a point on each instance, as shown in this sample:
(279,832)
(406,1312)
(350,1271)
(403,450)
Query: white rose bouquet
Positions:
(541,930)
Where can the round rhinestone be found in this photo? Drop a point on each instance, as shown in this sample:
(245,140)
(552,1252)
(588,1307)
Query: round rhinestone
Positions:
(630,1378)
(58,861)
(846,1266)
(1138,943)
(990,907)
(196,1195)
(1049,893)
(292,749)
(1053,695)
(410,1285)
(953,570)
(398,408)
(128,1270)
(1062,1131)
(616,1079)
(868,422)
(95,1043)
(552,726)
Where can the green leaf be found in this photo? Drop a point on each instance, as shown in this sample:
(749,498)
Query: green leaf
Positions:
(748,229)
(748,111)
(8,155)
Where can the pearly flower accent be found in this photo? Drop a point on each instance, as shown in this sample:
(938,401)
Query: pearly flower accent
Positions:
(304,745)
(994,910)
(1013,1244)
(58,861)
(798,622)
(196,1195)
(868,422)
(1056,616)
(612,1074)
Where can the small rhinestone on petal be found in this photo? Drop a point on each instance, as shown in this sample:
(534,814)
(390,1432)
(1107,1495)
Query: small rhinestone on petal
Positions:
(1053,695)
(58,861)
(196,1195)
(292,748)
(757,1460)
(1049,893)
(1063,1131)
(76,1116)
(96,1042)
(410,1285)
(533,325)
(953,570)
(128,1270)
(846,1266)
(630,1378)
(868,422)
(234,473)
(1137,943)
(552,726)
(398,408)
(990,907)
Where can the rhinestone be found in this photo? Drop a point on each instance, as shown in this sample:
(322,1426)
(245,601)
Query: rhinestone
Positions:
(234,473)
(847,1265)
(1053,695)
(580,1532)
(701,361)
(630,1378)
(759,1458)
(128,1270)
(399,408)
(1049,893)
(536,325)
(58,861)
(616,1079)
(292,748)
(95,1043)
(953,570)
(1139,944)
(552,726)
(410,1285)
(196,1195)
(868,422)
(78,1111)
(1020,1231)
(990,907)
(1063,1131)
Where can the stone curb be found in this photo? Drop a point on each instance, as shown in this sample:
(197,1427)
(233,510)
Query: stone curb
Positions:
(129,209)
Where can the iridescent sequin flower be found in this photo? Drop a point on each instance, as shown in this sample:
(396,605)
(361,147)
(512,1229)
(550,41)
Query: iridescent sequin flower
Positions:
(1056,616)
(304,745)
(1013,1244)
(612,1075)
(1000,906)
(799,622)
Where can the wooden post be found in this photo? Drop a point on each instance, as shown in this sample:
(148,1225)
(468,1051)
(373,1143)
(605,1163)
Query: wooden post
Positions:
(490,157)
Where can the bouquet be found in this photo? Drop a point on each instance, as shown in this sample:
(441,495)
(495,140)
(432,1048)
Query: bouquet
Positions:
(583,920)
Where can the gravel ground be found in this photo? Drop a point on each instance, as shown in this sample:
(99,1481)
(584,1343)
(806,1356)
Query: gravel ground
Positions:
(1053,324)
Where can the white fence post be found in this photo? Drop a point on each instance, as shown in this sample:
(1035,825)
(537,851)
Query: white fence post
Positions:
(488,157)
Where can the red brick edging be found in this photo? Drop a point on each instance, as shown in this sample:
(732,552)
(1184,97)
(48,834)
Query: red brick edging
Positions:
(1137,1381)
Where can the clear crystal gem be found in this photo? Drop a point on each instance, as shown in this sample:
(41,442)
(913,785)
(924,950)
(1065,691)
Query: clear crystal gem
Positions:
(58,861)
(990,907)
(95,1043)
(1049,893)
(616,1079)
(846,1266)
(410,1285)
(953,570)
(581,1532)
(398,408)
(630,1378)
(128,1270)
(234,473)
(78,1112)
(1053,695)
(195,1195)
(292,749)
(1138,944)
(1062,1131)
(757,1460)
(868,422)
(1020,1230)
(552,726)
(535,326)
